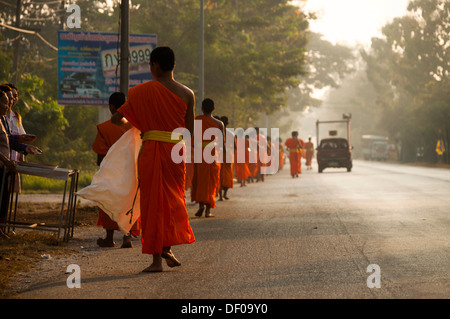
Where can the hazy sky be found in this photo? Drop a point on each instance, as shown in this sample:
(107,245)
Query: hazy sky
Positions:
(353,21)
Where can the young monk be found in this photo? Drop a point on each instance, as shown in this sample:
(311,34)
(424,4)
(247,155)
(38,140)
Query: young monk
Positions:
(293,145)
(107,135)
(226,167)
(207,175)
(157,108)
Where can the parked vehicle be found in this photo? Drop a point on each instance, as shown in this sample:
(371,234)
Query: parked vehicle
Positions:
(334,152)
(375,147)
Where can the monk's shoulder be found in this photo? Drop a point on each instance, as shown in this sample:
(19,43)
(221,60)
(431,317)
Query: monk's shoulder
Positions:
(184,92)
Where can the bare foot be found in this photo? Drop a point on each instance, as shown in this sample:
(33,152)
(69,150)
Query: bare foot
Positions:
(103,242)
(153,268)
(170,258)
(199,213)
(127,242)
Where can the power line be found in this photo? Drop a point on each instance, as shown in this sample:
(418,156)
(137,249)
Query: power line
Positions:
(30,32)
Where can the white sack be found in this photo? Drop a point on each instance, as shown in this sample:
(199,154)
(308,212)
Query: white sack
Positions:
(115,185)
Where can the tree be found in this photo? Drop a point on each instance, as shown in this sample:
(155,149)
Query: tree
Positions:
(409,68)
(253,52)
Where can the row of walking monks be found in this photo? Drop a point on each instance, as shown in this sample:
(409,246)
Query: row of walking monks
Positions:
(206,182)
(210,181)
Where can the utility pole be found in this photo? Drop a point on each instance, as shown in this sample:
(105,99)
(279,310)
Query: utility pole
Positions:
(63,15)
(124,45)
(17,43)
(103,111)
(201,58)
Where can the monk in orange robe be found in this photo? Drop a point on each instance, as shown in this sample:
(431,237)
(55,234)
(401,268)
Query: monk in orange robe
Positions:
(309,150)
(241,160)
(253,158)
(301,154)
(261,153)
(207,175)
(293,145)
(226,167)
(107,135)
(280,154)
(157,108)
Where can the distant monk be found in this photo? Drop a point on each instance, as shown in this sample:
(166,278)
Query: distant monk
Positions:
(309,149)
(107,135)
(262,148)
(301,154)
(157,108)
(293,145)
(253,159)
(226,168)
(207,175)
(241,160)
(280,154)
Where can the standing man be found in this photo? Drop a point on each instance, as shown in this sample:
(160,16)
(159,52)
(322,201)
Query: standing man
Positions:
(157,108)
(207,175)
(107,135)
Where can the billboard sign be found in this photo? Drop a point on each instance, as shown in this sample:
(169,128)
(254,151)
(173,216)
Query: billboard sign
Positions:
(88,68)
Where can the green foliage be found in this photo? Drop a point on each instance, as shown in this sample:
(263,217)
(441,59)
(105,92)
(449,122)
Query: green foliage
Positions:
(410,71)
(256,59)
(253,52)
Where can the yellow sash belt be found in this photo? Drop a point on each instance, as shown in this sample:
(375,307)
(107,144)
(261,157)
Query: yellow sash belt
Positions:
(162,136)
(293,150)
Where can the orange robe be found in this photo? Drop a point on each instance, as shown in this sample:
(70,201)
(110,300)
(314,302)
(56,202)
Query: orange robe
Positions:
(281,156)
(107,134)
(164,218)
(189,171)
(206,175)
(242,171)
(253,157)
(309,148)
(294,155)
(226,168)
(301,155)
(263,149)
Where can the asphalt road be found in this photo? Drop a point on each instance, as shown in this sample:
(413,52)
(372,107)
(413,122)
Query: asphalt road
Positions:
(306,238)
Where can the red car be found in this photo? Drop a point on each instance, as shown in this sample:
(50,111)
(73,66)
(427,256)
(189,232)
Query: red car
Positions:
(334,152)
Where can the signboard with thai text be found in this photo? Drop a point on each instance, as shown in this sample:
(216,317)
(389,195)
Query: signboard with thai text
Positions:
(89,69)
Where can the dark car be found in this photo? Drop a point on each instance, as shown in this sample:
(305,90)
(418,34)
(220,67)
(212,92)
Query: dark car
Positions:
(334,152)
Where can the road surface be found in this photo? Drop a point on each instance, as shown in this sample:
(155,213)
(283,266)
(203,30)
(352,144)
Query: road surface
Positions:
(306,238)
